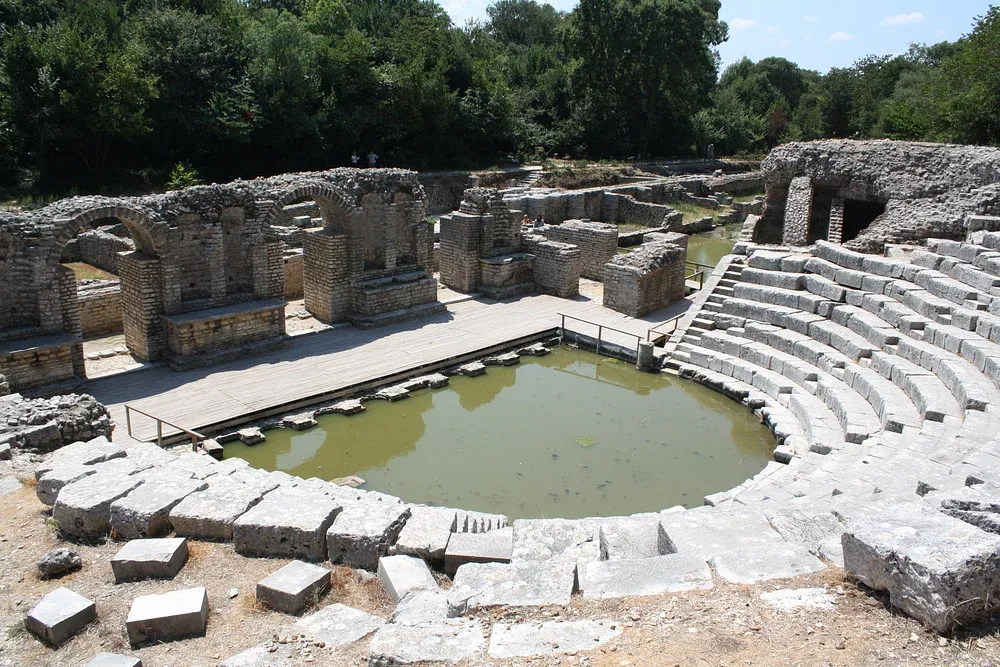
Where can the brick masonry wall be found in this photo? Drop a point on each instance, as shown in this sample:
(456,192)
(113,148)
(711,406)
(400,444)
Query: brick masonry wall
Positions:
(557,266)
(460,238)
(597,241)
(500,274)
(388,295)
(100,308)
(646,279)
(836,234)
(188,335)
(798,211)
(325,266)
(141,305)
(292,263)
(29,367)
(97,248)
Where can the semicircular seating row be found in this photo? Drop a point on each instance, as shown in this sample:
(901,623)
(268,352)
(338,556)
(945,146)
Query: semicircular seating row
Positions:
(879,377)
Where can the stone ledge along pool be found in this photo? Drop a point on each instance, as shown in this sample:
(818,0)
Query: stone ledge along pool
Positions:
(570,435)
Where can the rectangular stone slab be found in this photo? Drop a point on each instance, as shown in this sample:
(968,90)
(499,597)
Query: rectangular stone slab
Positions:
(427,532)
(158,558)
(171,615)
(113,660)
(429,643)
(529,639)
(707,531)
(294,586)
(494,546)
(763,562)
(60,615)
(337,625)
(525,584)
(363,533)
(145,511)
(401,574)
(563,539)
(83,508)
(673,573)
(81,453)
(209,514)
(286,524)
(932,564)
(421,606)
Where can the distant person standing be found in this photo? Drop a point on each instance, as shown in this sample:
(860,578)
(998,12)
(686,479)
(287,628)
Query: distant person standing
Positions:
(354,158)
(372,158)
(711,151)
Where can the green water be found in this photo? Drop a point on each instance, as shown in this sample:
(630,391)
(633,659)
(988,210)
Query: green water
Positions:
(708,248)
(568,435)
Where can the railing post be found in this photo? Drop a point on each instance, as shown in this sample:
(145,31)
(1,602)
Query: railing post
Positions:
(600,331)
(128,420)
(159,433)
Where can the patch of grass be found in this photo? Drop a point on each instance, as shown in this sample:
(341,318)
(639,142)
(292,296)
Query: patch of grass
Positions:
(694,212)
(746,199)
(85,271)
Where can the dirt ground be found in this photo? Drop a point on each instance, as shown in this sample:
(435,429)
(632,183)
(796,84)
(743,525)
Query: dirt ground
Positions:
(726,626)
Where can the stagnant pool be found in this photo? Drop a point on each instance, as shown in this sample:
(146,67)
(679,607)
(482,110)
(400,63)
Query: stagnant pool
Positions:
(568,435)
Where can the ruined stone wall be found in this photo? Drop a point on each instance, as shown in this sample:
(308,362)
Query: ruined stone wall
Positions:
(507,275)
(386,295)
(597,241)
(928,189)
(737,184)
(39,362)
(45,425)
(293,262)
(195,333)
(97,248)
(647,279)
(100,307)
(798,212)
(557,266)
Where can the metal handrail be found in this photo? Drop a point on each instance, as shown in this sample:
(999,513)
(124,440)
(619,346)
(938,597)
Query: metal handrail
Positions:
(700,265)
(700,276)
(673,320)
(194,435)
(600,331)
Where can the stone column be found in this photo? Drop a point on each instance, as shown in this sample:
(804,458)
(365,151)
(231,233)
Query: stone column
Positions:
(142,304)
(460,239)
(798,211)
(325,275)
(836,234)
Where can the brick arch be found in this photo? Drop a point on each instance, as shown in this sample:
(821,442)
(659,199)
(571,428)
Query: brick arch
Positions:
(146,233)
(329,199)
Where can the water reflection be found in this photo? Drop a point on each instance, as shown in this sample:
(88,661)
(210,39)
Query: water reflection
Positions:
(571,434)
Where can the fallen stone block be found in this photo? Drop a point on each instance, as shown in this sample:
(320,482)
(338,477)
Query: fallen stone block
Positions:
(9,485)
(250,436)
(392,394)
(536,350)
(158,558)
(113,660)
(432,381)
(363,532)
(421,606)
(93,451)
(294,586)
(351,406)
(427,532)
(936,568)
(401,574)
(168,616)
(495,546)
(527,639)
(145,511)
(83,508)
(337,625)
(506,359)
(209,514)
(473,369)
(673,573)
(752,564)
(52,481)
(58,562)
(286,524)
(431,643)
(212,447)
(525,584)
(60,615)
(299,422)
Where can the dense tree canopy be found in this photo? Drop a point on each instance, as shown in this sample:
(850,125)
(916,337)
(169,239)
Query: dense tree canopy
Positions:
(124,92)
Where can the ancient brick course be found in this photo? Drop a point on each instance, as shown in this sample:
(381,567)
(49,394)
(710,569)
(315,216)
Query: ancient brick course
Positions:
(597,241)
(647,279)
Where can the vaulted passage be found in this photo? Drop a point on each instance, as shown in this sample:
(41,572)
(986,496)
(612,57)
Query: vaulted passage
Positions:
(858,215)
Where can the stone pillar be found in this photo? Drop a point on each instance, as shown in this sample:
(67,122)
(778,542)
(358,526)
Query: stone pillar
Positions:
(71,317)
(460,239)
(798,211)
(644,362)
(215,256)
(142,304)
(836,234)
(325,275)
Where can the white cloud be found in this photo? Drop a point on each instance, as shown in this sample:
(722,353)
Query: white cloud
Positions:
(913,18)
(743,24)
(840,36)
(771,30)
(811,19)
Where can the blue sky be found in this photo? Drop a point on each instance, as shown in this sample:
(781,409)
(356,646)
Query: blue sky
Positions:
(815,34)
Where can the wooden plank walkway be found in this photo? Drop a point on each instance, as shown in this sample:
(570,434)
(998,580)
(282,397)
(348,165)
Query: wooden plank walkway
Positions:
(321,364)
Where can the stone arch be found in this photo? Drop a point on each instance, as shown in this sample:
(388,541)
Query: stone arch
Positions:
(337,210)
(146,233)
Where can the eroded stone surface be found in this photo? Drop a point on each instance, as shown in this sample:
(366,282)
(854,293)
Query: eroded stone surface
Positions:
(528,639)
(421,606)
(145,511)
(286,523)
(494,546)
(363,532)
(337,625)
(403,574)
(209,514)
(294,586)
(158,558)
(83,508)
(430,643)
(752,564)
(427,532)
(113,660)
(673,573)
(522,584)
(562,539)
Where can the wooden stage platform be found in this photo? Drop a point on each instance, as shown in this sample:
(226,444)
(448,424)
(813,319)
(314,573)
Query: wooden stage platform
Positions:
(324,365)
